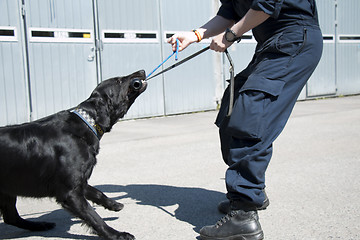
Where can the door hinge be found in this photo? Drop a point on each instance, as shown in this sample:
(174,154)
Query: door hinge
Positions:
(98,45)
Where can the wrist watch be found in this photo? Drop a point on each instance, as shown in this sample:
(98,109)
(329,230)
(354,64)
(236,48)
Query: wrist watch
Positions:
(230,36)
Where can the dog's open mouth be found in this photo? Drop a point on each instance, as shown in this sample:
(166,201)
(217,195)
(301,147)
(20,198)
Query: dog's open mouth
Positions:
(144,82)
(144,85)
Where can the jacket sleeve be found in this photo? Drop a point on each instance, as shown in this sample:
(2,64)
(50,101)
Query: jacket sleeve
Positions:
(271,7)
(227,10)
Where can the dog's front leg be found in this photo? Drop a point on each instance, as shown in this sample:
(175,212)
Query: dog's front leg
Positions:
(76,203)
(100,198)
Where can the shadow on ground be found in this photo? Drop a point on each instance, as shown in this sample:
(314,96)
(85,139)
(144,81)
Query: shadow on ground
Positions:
(63,222)
(196,206)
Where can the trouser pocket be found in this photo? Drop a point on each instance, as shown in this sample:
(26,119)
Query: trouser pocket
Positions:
(247,119)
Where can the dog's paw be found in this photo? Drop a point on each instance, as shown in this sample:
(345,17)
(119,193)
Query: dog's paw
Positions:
(115,206)
(120,236)
(125,236)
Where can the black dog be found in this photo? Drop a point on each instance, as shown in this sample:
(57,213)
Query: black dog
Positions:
(55,156)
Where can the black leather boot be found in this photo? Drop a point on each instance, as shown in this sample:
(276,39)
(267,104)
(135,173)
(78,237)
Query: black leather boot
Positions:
(225,206)
(236,225)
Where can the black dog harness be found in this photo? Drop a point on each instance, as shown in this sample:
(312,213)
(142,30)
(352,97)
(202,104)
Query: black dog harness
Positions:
(90,122)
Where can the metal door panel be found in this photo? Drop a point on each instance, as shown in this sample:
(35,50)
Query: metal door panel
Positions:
(323,80)
(77,14)
(130,39)
(14,102)
(348,63)
(348,47)
(60,79)
(125,15)
(192,86)
(62,55)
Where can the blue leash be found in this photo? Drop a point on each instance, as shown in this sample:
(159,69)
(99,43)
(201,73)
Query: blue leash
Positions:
(176,58)
(177,63)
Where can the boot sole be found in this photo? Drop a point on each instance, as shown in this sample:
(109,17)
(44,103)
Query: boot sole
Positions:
(257,236)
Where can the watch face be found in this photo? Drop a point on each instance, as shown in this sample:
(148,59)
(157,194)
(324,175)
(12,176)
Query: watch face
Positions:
(229,36)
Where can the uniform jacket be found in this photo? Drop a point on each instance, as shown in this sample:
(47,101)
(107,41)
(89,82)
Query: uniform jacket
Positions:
(283,13)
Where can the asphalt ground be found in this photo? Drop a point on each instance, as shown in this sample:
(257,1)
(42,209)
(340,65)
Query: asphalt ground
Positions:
(169,174)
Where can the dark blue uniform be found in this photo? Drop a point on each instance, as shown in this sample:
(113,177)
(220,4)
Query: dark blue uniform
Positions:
(288,51)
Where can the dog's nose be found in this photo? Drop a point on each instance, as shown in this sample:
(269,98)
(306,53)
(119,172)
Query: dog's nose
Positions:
(136,84)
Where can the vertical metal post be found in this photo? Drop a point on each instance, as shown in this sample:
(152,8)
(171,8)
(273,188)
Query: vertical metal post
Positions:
(26,57)
(161,30)
(98,42)
(336,45)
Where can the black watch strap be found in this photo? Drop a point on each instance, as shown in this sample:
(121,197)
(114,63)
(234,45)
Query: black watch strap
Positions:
(234,37)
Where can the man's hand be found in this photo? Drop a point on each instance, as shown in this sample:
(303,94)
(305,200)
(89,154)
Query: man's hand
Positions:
(219,43)
(185,39)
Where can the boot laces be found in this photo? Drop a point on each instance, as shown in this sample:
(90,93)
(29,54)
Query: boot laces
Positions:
(225,219)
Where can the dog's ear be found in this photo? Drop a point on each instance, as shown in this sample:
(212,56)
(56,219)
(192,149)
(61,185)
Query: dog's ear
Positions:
(98,108)
(102,117)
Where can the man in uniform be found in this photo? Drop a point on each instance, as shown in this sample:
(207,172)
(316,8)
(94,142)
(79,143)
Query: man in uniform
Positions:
(288,51)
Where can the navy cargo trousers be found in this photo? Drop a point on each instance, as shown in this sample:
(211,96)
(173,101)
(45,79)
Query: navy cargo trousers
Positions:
(265,94)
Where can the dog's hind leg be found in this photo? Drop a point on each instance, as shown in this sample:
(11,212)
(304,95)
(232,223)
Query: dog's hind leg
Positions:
(11,215)
(76,203)
(100,198)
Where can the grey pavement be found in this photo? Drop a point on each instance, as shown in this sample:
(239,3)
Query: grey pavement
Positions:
(169,174)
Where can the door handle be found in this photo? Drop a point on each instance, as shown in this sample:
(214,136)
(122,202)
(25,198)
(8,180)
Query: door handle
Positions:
(91,56)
